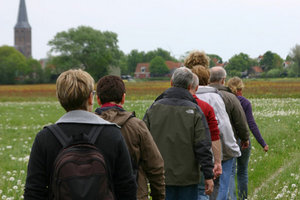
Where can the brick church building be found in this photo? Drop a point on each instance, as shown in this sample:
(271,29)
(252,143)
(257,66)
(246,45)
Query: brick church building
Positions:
(22,31)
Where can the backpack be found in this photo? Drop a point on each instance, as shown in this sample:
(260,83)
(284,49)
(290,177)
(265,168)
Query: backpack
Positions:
(80,171)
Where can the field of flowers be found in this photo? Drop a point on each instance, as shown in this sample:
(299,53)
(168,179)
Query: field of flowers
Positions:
(145,90)
(272,175)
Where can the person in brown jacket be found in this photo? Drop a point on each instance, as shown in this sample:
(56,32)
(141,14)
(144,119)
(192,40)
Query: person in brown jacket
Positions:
(147,161)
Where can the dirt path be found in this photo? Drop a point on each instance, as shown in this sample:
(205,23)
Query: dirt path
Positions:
(271,179)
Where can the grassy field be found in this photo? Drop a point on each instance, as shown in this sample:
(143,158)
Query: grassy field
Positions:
(272,175)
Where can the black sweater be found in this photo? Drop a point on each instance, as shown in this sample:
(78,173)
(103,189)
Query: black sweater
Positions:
(46,147)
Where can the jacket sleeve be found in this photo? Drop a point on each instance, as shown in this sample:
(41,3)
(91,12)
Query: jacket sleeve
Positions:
(124,181)
(213,124)
(202,145)
(239,121)
(252,125)
(36,181)
(152,163)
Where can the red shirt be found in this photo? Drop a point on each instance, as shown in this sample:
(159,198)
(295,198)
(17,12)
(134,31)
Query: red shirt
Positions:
(210,118)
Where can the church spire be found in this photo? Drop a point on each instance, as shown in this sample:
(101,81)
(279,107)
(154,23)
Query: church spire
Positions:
(22,16)
(23,31)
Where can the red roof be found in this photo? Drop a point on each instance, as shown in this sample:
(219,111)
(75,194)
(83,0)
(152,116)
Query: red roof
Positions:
(173,65)
(257,69)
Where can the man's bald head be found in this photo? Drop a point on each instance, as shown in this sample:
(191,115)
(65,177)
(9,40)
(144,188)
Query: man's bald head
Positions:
(217,75)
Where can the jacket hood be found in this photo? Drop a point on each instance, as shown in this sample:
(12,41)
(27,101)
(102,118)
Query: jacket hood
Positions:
(114,114)
(176,92)
(82,117)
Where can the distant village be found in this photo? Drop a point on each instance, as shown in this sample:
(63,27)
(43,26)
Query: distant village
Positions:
(102,60)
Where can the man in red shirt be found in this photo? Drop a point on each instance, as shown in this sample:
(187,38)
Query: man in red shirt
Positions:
(214,131)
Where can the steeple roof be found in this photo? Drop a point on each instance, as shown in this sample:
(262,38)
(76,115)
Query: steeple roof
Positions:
(22,16)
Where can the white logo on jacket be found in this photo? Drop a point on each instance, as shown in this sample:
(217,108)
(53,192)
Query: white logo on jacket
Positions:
(190,111)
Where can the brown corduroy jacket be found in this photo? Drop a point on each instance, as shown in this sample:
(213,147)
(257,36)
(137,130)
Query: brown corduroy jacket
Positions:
(142,149)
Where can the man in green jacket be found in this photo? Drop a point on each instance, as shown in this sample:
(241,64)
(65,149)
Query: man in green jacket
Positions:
(180,130)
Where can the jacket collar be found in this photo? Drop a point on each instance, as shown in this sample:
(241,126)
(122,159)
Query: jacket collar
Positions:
(102,109)
(82,117)
(220,87)
(176,92)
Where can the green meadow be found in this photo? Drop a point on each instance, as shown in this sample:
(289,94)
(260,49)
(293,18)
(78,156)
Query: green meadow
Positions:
(272,175)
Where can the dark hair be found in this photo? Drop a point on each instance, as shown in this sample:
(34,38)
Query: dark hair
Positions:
(110,88)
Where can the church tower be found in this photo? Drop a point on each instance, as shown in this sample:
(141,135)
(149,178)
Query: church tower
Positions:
(23,31)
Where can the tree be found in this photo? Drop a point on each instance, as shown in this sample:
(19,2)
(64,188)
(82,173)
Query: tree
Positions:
(16,68)
(158,67)
(12,65)
(238,64)
(34,72)
(270,61)
(159,52)
(133,58)
(214,59)
(86,48)
(295,56)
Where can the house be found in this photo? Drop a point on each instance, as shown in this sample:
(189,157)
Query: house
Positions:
(142,69)
(217,62)
(286,64)
(256,71)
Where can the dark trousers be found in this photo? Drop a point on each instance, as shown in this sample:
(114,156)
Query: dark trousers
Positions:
(189,192)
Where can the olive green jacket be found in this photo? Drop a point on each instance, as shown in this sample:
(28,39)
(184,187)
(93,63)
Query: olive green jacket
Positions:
(181,133)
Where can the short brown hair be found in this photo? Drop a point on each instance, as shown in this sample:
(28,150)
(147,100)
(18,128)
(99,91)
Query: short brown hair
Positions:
(110,88)
(73,88)
(202,73)
(196,58)
(235,84)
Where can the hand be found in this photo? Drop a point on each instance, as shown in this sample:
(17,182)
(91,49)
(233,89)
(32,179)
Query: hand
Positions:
(217,170)
(266,148)
(209,186)
(245,144)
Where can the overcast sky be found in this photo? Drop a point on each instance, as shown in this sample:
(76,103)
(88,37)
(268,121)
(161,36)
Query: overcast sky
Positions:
(223,27)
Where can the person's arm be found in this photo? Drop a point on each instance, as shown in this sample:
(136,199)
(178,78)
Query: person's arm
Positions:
(124,181)
(240,122)
(215,138)
(152,163)
(253,126)
(217,149)
(36,186)
(202,146)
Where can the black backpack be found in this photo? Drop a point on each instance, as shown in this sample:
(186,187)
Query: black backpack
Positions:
(80,171)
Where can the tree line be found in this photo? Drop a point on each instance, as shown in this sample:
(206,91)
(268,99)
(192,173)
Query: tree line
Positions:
(97,51)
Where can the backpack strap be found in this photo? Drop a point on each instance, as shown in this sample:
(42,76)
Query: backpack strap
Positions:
(65,141)
(94,133)
(59,134)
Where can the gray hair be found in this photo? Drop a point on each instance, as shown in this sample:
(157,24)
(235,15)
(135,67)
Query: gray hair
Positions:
(217,74)
(195,82)
(182,78)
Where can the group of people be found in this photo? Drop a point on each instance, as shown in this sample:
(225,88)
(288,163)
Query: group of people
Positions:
(191,143)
